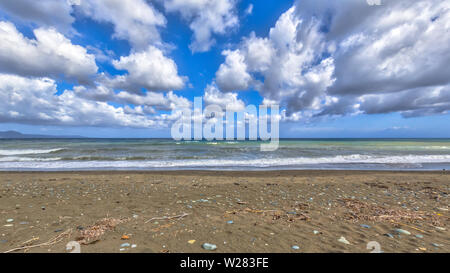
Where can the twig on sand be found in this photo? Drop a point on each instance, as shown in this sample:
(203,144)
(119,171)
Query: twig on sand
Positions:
(50,242)
(252,211)
(28,242)
(401,224)
(167,217)
(277,214)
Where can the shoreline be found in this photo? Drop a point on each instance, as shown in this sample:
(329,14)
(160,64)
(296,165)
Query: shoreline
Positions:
(231,172)
(239,211)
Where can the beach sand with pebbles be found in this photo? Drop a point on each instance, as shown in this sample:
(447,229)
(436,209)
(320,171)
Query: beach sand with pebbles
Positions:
(179,211)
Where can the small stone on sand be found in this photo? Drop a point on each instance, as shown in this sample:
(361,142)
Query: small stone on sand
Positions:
(343,240)
(209,246)
(402,231)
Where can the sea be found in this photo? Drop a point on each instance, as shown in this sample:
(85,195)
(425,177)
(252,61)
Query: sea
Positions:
(168,154)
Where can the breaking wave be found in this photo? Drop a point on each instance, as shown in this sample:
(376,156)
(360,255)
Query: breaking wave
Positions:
(29,151)
(56,163)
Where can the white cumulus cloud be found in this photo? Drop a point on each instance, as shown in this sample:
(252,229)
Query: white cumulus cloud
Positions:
(233,75)
(149,69)
(205,18)
(318,60)
(136,21)
(51,54)
(33,101)
(227,101)
(48,13)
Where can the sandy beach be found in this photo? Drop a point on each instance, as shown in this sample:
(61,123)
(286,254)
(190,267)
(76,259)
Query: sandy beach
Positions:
(179,211)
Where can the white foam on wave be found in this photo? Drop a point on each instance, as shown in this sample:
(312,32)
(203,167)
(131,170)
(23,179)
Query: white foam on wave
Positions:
(211,163)
(29,151)
(27,159)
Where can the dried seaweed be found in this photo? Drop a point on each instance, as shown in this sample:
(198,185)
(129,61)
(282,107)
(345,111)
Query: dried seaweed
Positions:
(359,210)
(93,233)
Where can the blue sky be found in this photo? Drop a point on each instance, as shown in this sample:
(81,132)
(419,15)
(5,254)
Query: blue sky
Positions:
(85,71)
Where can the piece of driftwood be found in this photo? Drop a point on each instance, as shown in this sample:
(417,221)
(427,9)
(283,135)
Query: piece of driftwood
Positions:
(26,245)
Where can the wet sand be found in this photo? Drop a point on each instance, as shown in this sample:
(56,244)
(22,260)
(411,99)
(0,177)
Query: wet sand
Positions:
(237,211)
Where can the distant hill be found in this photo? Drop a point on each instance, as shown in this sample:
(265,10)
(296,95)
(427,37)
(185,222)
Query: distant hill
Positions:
(14,134)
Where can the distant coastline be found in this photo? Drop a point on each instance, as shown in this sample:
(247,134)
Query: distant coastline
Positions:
(18,135)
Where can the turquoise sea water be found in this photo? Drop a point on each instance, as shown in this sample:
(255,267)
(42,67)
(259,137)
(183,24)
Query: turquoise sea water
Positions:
(162,154)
